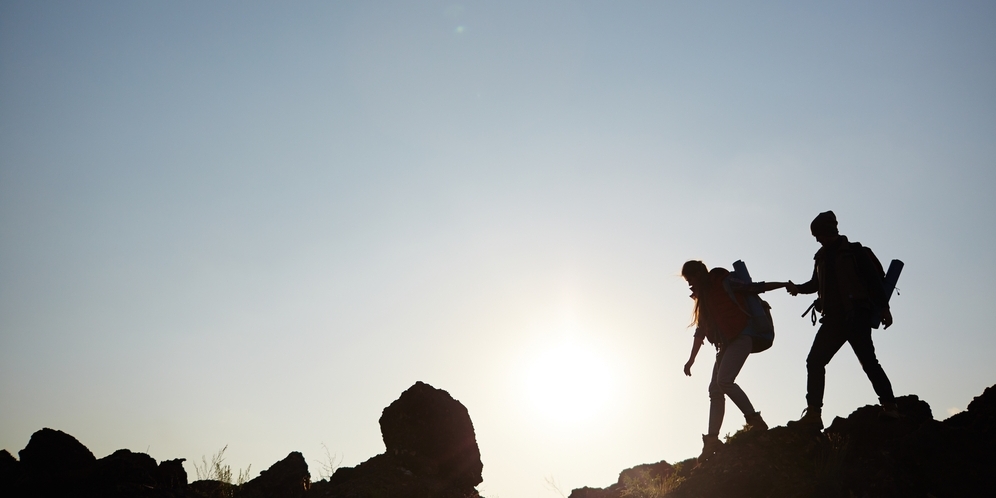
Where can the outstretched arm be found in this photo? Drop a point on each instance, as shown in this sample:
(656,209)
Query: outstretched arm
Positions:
(696,345)
(737,285)
(807,288)
(766,286)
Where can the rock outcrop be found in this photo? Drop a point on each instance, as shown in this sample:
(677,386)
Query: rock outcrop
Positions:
(55,464)
(861,455)
(431,452)
(288,478)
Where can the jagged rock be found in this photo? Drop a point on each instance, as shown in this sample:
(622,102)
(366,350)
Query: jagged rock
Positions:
(956,457)
(128,474)
(206,488)
(7,462)
(642,480)
(387,475)
(431,452)
(171,476)
(123,474)
(427,427)
(10,474)
(981,414)
(288,478)
(55,453)
(55,464)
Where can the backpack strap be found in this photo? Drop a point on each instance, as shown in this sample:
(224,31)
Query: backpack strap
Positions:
(733,297)
(812,311)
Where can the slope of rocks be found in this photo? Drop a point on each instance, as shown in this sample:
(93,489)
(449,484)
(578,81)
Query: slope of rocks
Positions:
(862,455)
(431,452)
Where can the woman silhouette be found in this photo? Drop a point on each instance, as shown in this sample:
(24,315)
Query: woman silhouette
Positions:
(726,324)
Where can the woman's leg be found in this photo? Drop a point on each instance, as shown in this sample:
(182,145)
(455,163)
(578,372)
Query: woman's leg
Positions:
(717,400)
(734,356)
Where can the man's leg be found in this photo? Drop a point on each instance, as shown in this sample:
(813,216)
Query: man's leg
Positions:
(828,341)
(861,342)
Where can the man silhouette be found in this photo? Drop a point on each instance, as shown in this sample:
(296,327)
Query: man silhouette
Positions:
(848,279)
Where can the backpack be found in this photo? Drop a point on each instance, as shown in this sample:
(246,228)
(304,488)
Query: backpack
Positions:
(873,276)
(886,279)
(758,309)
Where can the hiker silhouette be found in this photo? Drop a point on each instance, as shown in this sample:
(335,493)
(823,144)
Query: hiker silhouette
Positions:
(726,324)
(849,281)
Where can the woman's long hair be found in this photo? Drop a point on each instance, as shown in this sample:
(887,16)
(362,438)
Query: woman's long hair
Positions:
(697,274)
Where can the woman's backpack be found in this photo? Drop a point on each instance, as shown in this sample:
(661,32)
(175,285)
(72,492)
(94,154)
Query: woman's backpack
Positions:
(759,311)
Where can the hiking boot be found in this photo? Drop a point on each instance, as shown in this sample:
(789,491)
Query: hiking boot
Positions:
(889,411)
(756,423)
(710,445)
(811,419)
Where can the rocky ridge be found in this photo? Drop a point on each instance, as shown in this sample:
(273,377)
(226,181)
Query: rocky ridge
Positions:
(862,455)
(431,452)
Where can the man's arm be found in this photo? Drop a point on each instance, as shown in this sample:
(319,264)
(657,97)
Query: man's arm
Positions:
(807,288)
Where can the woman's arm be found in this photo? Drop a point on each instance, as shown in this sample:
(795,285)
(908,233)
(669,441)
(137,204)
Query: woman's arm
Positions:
(737,285)
(696,344)
(766,286)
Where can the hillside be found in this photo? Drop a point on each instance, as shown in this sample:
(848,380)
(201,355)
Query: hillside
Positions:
(432,452)
(858,456)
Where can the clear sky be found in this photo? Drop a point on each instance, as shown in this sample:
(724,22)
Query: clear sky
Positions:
(256,224)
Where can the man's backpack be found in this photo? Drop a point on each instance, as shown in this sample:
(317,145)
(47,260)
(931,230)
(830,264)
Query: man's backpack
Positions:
(878,276)
(759,311)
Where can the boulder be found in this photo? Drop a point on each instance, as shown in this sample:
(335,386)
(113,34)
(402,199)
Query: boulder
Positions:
(431,453)
(433,433)
(288,478)
(54,452)
(55,464)
(171,476)
(123,473)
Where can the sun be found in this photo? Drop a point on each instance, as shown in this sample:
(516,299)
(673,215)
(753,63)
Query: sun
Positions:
(569,383)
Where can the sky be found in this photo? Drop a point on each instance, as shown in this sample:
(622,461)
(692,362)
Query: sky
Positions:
(255,224)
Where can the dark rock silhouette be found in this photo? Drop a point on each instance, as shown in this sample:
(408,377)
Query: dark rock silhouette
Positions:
(171,477)
(210,489)
(10,473)
(123,473)
(56,453)
(649,474)
(861,455)
(57,464)
(431,452)
(288,478)
(425,426)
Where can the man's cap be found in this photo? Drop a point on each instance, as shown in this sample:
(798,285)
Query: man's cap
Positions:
(825,223)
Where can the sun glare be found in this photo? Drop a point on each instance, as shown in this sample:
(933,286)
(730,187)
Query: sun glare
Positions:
(569,383)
